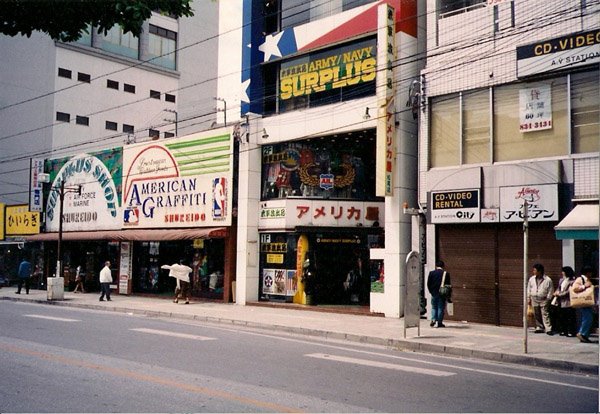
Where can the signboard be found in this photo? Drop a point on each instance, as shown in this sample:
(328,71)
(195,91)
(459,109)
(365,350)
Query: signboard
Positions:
(98,205)
(2,222)
(20,221)
(386,112)
(327,70)
(566,52)
(535,108)
(125,269)
(36,197)
(542,202)
(289,213)
(490,215)
(182,182)
(412,309)
(457,206)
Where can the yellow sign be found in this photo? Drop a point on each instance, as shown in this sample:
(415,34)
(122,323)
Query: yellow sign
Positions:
(275,258)
(198,244)
(328,70)
(2,221)
(21,221)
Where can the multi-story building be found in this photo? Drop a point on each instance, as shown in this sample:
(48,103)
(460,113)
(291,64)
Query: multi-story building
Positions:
(512,116)
(327,148)
(94,97)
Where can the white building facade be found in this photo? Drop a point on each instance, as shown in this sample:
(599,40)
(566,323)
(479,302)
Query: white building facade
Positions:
(511,116)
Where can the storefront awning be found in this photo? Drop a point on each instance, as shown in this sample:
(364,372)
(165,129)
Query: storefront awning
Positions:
(580,224)
(136,234)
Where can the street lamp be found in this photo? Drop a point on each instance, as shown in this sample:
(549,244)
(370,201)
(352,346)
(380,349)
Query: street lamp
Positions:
(62,191)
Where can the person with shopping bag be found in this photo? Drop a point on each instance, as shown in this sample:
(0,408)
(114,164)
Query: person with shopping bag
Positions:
(583,288)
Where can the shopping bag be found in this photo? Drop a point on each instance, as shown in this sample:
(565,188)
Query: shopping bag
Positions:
(582,299)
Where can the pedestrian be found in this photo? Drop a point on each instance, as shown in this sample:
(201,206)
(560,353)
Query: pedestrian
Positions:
(24,276)
(438,302)
(540,291)
(105,281)
(567,325)
(181,273)
(78,281)
(586,314)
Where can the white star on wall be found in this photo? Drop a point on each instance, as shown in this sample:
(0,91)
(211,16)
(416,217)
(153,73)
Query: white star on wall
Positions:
(271,46)
(244,94)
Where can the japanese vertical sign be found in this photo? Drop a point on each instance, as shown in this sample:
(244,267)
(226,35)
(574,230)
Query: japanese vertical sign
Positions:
(535,108)
(36,197)
(386,125)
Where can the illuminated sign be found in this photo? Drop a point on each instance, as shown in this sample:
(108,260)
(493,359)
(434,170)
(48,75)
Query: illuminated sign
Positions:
(331,69)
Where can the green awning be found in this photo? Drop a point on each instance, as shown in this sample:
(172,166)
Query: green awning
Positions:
(580,224)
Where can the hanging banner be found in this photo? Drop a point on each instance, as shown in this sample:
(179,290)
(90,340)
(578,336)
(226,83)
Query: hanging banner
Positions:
(182,182)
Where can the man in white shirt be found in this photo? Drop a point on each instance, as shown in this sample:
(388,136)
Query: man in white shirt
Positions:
(105,281)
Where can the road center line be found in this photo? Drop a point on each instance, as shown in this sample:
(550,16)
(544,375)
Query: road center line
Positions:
(265,405)
(377,364)
(175,334)
(52,318)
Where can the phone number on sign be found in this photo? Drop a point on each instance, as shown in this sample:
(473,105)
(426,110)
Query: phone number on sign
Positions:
(535,125)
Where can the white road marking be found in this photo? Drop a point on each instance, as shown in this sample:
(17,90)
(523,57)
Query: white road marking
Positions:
(385,365)
(175,334)
(52,318)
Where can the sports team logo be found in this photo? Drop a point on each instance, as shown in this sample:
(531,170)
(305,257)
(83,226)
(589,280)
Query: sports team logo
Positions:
(219,210)
(131,216)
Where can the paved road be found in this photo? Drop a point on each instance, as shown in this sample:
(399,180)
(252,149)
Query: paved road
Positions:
(56,359)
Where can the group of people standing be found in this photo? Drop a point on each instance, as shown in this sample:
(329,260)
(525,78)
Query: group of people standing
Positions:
(543,296)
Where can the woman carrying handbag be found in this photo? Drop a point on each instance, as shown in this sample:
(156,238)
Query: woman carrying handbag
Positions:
(586,313)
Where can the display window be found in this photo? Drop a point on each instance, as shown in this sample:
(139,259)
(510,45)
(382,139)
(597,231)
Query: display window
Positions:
(337,167)
(205,257)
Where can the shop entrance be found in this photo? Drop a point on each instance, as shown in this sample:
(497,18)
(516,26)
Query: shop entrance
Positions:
(341,269)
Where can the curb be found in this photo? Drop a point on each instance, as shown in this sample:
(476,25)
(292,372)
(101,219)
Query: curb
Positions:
(399,344)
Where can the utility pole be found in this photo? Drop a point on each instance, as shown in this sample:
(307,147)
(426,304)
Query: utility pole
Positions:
(525,268)
(62,191)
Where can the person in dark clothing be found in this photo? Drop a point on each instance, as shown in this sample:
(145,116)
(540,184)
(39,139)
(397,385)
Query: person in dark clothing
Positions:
(24,276)
(438,302)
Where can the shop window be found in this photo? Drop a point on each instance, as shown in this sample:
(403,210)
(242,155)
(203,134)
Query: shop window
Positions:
(112,126)
(162,45)
(340,168)
(445,131)
(128,88)
(517,137)
(64,73)
(585,111)
(476,127)
(124,44)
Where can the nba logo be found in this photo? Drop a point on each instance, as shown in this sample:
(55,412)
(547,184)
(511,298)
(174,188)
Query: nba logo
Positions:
(219,198)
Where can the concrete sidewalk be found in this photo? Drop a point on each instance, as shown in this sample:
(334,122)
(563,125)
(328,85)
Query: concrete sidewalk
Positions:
(504,344)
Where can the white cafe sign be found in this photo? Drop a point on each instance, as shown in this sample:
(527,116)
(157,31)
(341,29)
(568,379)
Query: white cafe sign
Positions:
(542,202)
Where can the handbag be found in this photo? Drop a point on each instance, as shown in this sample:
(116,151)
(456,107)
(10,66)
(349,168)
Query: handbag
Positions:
(582,299)
(445,290)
